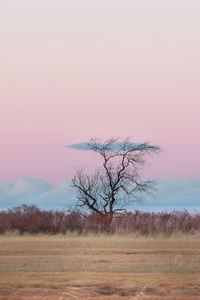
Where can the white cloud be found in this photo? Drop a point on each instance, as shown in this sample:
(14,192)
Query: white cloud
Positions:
(169,194)
(34,191)
(23,188)
(175,194)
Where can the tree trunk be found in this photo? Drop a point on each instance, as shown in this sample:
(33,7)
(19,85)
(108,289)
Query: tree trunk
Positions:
(106,221)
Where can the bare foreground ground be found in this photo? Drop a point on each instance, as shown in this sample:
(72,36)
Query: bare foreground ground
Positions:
(99,268)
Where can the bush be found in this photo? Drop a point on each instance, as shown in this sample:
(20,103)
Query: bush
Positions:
(31,219)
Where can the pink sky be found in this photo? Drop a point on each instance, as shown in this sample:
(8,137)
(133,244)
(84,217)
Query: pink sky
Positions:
(71,70)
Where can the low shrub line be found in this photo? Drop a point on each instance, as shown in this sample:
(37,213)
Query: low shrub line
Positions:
(31,219)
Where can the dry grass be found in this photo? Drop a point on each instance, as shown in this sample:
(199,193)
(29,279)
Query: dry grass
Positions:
(99,267)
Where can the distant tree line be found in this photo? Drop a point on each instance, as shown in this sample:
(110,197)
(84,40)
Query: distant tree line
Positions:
(30,219)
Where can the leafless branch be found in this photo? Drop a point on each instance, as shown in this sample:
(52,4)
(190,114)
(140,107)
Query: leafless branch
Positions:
(118,181)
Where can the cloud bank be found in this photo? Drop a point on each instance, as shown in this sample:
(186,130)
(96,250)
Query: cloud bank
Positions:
(114,146)
(35,191)
(169,194)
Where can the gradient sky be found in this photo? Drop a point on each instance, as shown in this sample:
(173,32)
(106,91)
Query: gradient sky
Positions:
(71,70)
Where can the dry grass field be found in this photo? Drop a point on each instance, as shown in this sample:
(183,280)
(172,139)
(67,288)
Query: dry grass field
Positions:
(99,267)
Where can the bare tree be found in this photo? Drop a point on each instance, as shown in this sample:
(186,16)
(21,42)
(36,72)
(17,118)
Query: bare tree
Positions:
(118,182)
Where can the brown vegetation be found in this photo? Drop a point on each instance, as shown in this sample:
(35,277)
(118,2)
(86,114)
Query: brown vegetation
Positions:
(103,267)
(30,219)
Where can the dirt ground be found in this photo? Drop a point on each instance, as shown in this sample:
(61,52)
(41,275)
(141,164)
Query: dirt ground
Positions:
(99,268)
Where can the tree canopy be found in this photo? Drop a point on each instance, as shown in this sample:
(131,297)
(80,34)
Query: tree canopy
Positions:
(118,181)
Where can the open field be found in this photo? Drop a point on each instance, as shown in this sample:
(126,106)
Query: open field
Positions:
(99,268)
